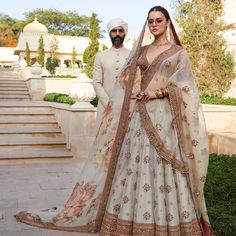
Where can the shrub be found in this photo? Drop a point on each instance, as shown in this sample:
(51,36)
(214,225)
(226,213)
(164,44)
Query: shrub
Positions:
(94,102)
(220,194)
(59,97)
(51,64)
(217,100)
(64,98)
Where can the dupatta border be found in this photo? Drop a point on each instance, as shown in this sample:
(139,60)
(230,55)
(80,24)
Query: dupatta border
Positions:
(157,143)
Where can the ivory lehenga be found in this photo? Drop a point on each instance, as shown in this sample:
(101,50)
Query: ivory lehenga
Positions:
(146,171)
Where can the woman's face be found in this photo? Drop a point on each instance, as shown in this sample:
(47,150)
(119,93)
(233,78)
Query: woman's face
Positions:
(157,23)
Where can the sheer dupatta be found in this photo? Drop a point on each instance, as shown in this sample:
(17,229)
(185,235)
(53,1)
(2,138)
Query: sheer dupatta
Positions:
(85,208)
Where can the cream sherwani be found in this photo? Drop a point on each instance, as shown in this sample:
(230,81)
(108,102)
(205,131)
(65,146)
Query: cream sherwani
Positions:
(107,66)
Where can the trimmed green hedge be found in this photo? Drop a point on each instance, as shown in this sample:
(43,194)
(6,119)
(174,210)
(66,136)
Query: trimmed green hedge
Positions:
(59,97)
(61,76)
(65,98)
(220,194)
(217,100)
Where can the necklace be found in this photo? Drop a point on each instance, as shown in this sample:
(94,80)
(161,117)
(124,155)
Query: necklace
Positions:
(161,44)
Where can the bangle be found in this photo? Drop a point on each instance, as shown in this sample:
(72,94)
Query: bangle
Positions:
(165,92)
(159,93)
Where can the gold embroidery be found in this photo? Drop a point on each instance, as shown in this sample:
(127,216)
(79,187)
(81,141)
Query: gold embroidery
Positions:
(113,226)
(157,143)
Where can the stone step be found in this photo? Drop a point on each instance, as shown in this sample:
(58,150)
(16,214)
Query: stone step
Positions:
(21,147)
(32,120)
(14,96)
(14,99)
(29,112)
(15,89)
(4,85)
(29,126)
(31,141)
(12,81)
(27,154)
(22,136)
(15,92)
(28,130)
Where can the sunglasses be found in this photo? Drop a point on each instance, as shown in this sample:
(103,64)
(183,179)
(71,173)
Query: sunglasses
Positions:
(117,30)
(157,21)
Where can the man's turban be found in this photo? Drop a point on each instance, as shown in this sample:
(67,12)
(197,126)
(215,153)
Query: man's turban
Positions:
(116,22)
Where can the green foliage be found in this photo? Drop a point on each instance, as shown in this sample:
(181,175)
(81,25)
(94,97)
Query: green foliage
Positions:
(220,194)
(60,76)
(94,102)
(27,54)
(217,100)
(93,47)
(40,51)
(51,64)
(7,35)
(73,57)
(59,97)
(61,23)
(64,98)
(200,31)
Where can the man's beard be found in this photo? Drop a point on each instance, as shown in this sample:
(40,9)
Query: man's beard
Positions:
(117,41)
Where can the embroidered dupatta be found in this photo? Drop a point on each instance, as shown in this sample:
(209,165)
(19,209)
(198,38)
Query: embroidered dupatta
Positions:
(86,206)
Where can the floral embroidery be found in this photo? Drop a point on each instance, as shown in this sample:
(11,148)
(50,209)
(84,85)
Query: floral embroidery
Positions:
(158,126)
(116,208)
(186,89)
(146,215)
(166,188)
(129,172)
(123,181)
(185,104)
(125,199)
(146,159)
(169,217)
(137,159)
(190,156)
(128,156)
(185,214)
(167,64)
(194,142)
(79,199)
(203,178)
(146,187)
(128,141)
(138,132)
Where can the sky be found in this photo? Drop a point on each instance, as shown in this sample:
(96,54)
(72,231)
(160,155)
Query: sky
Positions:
(132,11)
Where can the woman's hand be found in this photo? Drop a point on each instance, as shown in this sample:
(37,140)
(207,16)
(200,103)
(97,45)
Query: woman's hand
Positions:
(146,96)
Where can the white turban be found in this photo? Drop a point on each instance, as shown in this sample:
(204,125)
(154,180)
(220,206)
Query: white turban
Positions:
(116,22)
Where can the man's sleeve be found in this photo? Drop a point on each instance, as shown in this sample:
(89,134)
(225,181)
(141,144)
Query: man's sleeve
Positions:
(98,80)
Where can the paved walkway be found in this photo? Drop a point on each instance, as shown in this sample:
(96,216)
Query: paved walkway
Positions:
(36,186)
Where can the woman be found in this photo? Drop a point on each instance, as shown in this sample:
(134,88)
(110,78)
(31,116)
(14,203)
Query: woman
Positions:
(149,161)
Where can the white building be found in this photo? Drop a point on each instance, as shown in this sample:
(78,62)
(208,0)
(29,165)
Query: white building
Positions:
(32,32)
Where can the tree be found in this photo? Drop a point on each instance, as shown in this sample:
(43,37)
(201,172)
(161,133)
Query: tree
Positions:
(201,34)
(73,57)
(7,26)
(27,54)
(41,52)
(93,47)
(61,23)
(52,61)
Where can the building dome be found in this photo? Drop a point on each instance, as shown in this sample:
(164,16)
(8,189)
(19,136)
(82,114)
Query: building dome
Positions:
(35,27)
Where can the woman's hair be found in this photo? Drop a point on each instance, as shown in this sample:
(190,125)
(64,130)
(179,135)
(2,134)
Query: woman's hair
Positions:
(167,16)
(162,10)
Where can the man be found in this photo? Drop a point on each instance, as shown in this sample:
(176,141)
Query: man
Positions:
(108,64)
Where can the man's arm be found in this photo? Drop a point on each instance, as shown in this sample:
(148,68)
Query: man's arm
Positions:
(98,80)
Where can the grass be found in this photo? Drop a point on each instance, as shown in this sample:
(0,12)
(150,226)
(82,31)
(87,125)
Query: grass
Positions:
(220,194)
